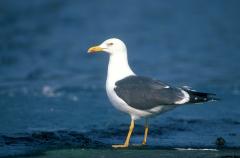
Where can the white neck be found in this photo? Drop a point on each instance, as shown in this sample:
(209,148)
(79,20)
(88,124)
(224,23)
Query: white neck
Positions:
(118,67)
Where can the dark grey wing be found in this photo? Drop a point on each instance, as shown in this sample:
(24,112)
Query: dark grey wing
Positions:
(145,93)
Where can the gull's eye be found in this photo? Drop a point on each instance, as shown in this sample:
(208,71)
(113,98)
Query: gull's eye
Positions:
(109,44)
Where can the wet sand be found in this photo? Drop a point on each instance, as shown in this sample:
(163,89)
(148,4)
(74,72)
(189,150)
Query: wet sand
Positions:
(137,153)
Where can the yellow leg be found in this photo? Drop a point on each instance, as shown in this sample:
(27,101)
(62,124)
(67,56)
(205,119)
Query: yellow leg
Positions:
(125,145)
(145,133)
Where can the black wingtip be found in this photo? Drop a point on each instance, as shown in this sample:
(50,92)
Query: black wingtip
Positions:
(212,97)
(200,97)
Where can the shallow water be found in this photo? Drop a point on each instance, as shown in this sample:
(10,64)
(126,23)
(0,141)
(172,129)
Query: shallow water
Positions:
(52,93)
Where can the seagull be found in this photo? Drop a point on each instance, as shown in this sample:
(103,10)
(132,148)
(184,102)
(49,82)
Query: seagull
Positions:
(139,96)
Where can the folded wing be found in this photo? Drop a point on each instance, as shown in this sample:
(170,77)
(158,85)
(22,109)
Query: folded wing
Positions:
(144,93)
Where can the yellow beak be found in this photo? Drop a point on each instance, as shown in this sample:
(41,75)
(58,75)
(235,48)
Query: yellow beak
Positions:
(95,49)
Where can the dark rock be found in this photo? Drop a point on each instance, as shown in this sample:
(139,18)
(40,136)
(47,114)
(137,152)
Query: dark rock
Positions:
(220,142)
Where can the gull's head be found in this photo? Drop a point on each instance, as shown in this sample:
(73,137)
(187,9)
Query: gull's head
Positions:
(111,46)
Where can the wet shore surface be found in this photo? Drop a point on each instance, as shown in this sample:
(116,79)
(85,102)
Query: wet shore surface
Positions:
(145,153)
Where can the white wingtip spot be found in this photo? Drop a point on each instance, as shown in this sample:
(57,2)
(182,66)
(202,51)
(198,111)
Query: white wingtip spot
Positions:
(189,88)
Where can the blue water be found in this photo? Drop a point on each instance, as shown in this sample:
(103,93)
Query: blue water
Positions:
(52,93)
